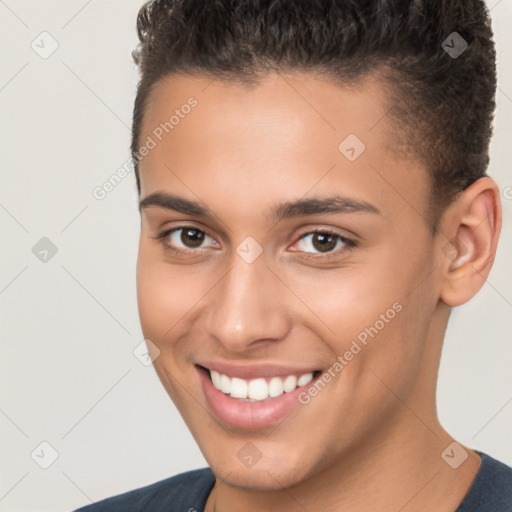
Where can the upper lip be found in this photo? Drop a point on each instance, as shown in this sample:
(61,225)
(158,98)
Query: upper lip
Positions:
(253,371)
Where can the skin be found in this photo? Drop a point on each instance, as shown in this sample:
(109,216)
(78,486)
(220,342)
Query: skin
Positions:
(371,439)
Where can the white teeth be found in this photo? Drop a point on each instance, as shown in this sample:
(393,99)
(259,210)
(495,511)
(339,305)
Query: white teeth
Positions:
(238,388)
(225,384)
(304,379)
(290,383)
(215,378)
(259,389)
(275,387)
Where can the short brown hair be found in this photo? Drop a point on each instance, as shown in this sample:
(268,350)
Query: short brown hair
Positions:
(443,103)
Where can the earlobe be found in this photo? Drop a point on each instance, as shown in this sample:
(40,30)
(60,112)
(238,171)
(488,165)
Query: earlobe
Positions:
(473,224)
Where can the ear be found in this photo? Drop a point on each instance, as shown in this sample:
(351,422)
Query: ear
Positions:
(469,237)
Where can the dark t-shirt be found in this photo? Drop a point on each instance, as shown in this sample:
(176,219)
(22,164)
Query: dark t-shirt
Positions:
(491,491)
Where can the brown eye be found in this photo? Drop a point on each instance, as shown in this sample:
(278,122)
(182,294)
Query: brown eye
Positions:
(184,240)
(192,237)
(323,242)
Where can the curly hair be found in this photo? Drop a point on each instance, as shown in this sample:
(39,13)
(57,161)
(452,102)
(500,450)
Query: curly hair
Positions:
(441,105)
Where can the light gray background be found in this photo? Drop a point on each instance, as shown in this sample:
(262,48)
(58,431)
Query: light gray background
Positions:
(69,326)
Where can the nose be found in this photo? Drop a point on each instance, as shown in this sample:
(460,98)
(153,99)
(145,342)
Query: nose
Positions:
(247,307)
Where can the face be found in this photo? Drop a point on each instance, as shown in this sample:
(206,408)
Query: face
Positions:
(287,252)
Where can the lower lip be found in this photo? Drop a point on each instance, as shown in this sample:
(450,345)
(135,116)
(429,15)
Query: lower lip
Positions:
(249,415)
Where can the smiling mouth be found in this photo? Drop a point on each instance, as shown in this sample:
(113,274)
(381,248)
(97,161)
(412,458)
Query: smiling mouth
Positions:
(257,389)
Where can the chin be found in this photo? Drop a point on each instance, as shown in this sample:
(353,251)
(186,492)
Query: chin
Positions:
(258,480)
(261,477)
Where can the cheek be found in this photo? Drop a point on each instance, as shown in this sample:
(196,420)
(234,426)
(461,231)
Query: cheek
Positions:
(165,295)
(369,315)
(349,303)
(393,319)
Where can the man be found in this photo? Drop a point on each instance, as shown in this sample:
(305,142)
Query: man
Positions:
(314,202)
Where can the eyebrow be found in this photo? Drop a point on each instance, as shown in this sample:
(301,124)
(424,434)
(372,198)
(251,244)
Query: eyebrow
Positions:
(310,206)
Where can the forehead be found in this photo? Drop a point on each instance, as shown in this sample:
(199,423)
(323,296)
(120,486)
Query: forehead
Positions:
(286,136)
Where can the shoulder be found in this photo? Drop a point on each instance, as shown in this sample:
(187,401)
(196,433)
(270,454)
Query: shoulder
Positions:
(491,490)
(184,492)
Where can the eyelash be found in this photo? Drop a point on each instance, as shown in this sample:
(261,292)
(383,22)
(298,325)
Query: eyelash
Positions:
(349,244)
